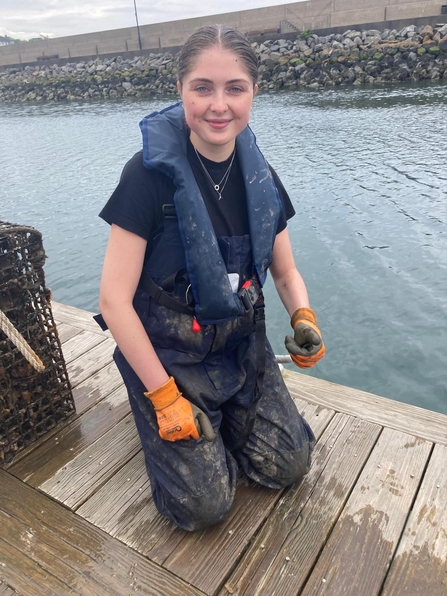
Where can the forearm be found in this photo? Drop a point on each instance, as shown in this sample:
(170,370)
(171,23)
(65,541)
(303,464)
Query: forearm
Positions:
(134,343)
(292,290)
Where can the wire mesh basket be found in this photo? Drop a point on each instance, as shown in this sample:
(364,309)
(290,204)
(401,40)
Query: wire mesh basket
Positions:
(35,392)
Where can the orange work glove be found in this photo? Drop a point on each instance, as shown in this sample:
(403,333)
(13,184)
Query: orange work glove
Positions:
(178,418)
(306,347)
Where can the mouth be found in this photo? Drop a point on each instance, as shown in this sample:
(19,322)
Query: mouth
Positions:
(218,124)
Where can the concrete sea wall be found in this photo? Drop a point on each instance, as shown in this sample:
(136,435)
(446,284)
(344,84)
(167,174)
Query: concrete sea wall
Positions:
(350,58)
(318,15)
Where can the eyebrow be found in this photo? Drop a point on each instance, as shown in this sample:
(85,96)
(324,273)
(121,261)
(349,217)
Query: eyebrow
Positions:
(231,82)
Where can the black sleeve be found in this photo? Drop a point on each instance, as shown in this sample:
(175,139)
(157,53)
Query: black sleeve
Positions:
(136,203)
(287,208)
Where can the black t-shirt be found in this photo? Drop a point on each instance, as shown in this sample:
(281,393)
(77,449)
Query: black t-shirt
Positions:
(137,202)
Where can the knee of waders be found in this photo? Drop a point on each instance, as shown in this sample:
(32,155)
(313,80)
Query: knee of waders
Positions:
(197,512)
(278,469)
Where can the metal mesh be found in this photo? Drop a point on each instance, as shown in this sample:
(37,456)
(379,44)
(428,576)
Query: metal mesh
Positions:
(31,402)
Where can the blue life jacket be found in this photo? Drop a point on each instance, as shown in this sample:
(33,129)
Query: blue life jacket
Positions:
(165,136)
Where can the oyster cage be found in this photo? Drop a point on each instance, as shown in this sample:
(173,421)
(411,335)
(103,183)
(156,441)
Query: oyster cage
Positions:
(31,402)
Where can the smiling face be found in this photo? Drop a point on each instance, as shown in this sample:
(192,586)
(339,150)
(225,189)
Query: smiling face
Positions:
(217,95)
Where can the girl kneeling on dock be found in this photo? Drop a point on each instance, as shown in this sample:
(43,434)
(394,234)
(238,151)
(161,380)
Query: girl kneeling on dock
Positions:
(197,219)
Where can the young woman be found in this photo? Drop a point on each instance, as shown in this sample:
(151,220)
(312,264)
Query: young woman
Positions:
(196,221)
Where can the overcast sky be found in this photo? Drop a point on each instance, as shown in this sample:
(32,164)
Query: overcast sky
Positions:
(24,19)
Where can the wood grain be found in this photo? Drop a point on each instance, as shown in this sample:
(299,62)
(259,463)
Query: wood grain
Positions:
(46,550)
(285,550)
(91,362)
(204,559)
(357,555)
(79,344)
(379,410)
(420,564)
(92,468)
(76,317)
(368,519)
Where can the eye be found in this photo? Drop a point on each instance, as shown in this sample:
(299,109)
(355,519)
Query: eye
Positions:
(201,89)
(236,89)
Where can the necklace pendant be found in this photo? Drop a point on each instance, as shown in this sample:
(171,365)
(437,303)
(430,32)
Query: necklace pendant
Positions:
(224,180)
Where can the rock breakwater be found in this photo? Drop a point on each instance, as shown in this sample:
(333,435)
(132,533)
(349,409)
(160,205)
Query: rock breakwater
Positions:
(352,58)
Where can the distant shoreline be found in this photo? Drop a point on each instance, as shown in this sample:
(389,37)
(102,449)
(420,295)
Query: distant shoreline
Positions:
(352,58)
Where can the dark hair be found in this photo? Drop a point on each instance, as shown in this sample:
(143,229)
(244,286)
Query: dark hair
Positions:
(217,35)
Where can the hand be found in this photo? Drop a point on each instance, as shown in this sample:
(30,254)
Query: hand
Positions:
(177,418)
(306,347)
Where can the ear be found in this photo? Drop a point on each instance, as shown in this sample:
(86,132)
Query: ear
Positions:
(179,88)
(255,89)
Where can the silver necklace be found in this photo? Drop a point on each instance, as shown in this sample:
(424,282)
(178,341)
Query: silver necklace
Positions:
(219,188)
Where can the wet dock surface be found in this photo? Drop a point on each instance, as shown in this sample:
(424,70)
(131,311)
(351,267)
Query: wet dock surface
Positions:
(369,519)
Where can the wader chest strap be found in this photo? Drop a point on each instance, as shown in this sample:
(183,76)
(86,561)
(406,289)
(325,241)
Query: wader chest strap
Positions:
(161,296)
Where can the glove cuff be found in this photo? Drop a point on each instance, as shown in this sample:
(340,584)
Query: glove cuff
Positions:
(301,315)
(165,395)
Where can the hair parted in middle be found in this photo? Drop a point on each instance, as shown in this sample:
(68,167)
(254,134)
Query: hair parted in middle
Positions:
(222,36)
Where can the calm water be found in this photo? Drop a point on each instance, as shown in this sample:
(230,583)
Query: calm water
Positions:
(366,170)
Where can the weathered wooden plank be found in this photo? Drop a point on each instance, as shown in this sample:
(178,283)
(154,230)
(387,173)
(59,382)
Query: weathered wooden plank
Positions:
(77,318)
(380,410)
(48,550)
(91,469)
(316,415)
(96,387)
(91,362)
(5,590)
(420,565)
(49,553)
(66,332)
(358,553)
(124,508)
(56,452)
(285,550)
(79,344)
(27,576)
(204,559)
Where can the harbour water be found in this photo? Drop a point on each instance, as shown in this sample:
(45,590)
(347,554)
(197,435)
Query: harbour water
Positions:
(366,171)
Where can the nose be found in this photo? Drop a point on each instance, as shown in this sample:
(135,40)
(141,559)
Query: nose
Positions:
(219,104)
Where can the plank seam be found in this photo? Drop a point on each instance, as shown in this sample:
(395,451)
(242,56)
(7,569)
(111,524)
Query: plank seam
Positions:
(33,562)
(348,495)
(409,513)
(100,485)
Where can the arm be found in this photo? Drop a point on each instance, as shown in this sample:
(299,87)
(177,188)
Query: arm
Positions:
(288,281)
(306,347)
(122,268)
(123,263)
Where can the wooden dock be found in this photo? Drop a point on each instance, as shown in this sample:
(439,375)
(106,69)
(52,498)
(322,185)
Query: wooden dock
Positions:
(369,519)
